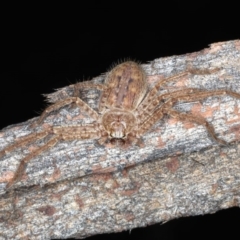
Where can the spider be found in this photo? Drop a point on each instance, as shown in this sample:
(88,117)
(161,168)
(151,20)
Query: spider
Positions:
(126,111)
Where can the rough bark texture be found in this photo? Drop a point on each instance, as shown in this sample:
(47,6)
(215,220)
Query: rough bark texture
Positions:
(80,188)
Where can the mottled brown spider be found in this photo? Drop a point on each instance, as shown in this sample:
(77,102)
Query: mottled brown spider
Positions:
(127,110)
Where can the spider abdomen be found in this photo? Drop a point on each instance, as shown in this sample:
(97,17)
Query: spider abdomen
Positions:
(126,87)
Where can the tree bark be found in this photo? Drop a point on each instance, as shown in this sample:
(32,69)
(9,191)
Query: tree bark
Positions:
(80,188)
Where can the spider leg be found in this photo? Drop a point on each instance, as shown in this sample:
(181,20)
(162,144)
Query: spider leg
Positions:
(82,85)
(61,133)
(23,141)
(22,166)
(90,131)
(20,142)
(79,102)
(195,96)
(200,95)
(150,121)
(154,91)
(184,96)
(143,114)
(198,120)
(190,94)
(102,87)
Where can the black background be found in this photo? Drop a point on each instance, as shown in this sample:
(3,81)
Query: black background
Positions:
(46,48)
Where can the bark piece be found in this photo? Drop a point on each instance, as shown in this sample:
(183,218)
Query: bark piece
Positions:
(80,188)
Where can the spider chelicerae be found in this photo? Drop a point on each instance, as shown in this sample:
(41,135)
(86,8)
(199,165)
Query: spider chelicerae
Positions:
(127,110)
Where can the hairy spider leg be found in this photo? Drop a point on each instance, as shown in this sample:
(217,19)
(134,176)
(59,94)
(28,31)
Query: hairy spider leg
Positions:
(148,111)
(62,133)
(151,95)
(22,166)
(154,91)
(198,120)
(79,102)
(81,85)
(166,108)
(23,141)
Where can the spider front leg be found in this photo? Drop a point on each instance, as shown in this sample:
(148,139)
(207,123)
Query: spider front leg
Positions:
(59,133)
(22,166)
(25,141)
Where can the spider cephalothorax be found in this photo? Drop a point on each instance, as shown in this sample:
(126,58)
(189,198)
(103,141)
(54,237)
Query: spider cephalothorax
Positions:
(118,123)
(127,110)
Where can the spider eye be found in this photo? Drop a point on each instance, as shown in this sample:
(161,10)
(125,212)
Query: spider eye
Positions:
(117,130)
(117,135)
